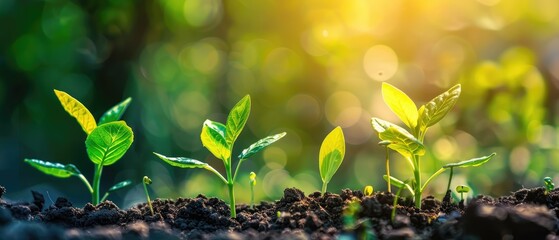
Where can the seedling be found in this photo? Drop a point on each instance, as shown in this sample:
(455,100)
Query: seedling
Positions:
(549,185)
(385,144)
(106,142)
(147,181)
(252,183)
(331,155)
(219,139)
(400,185)
(368,191)
(115,187)
(462,189)
(410,145)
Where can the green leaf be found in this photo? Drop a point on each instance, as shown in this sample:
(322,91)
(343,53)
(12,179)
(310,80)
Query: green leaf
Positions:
(402,142)
(472,162)
(331,154)
(120,185)
(259,145)
(115,113)
(462,189)
(433,111)
(237,119)
(398,183)
(381,125)
(77,110)
(400,104)
(109,142)
(54,169)
(213,138)
(181,162)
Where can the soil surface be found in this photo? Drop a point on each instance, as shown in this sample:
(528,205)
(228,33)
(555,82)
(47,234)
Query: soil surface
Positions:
(525,214)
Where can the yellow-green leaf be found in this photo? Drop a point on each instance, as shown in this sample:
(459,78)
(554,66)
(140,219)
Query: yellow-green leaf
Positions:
(474,162)
(77,110)
(331,154)
(402,142)
(213,138)
(400,104)
(237,119)
(433,111)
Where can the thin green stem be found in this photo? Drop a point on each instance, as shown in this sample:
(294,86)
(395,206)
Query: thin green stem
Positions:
(441,170)
(450,178)
(96,183)
(147,197)
(84,180)
(388,168)
(237,169)
(324,186)
(417,177)
(105,197)
(231,187)
(251,196)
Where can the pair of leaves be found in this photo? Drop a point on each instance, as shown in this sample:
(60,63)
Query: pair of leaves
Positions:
(86,120)
(398,138)
(219,138)
(427,115)
(331,154)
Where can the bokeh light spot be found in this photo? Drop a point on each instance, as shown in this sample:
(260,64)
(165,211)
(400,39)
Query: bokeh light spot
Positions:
(199,13)
(380,62)
(336,106)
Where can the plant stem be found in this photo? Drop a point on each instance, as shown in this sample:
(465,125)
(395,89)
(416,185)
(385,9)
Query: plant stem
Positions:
(450,178)
(231,187)
(148,199)
(417,187)
(84,180)
(324,186)
(105,196)
(388,168)
(96,182)
(251,196)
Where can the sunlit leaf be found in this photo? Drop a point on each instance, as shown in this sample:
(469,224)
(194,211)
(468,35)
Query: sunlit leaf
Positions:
(115,113)
(213,139)
(462,189)
(402,142)
(120,185)
(54,169)
(331,154)
(472,162)
(109,142)
(181,162)
(259,145)
(400,104)
(237,119)
(433,111)
(77,110)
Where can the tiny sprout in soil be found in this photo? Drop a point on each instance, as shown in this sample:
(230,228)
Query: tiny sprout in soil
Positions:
(147,181)
(462,189)
(331,155)
(548,184)
(368,191)
(106,142)
(252,183)
(219,139)
(410,145)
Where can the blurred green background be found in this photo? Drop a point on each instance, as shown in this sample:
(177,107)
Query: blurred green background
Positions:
(308,65)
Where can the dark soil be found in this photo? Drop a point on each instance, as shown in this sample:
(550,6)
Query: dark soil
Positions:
(525,214)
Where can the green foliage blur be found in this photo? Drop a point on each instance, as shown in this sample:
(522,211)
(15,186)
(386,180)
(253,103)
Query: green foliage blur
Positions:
(308,65)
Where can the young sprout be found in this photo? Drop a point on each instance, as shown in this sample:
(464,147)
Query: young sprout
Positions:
(368,191)
(252,183)
(331,155)
(147,181)
(400,186)
(107,141)
(549,185)
(462,189)
(410,143)
(219,139)
(385,144)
